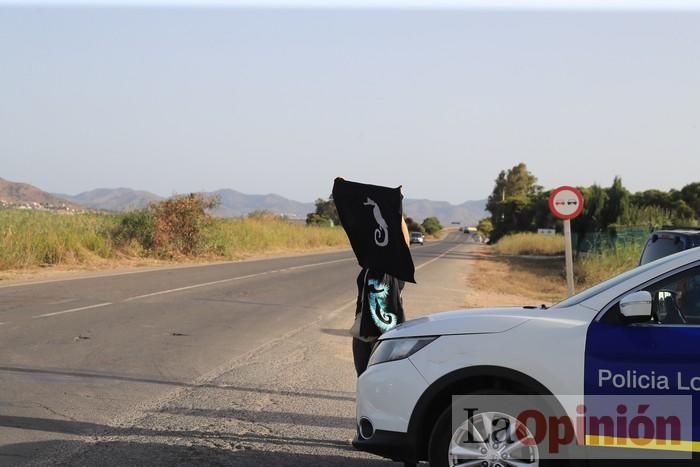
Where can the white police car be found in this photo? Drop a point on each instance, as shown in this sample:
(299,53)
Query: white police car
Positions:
(636,335)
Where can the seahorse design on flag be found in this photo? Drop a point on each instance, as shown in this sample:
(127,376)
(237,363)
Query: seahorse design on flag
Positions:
(379,309)
(381,233)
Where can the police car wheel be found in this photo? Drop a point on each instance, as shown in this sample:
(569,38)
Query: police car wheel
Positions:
(447,447)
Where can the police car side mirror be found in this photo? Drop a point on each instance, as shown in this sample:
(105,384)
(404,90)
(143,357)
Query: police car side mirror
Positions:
(636,307)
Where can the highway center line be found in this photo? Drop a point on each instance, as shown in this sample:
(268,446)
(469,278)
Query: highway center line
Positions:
(195,286)
(248,276)
(179,289)
(304,327)
(222,281)
(233,279)
(72,310)
(436,258)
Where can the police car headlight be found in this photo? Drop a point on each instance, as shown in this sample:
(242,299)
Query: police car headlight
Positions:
(397,349)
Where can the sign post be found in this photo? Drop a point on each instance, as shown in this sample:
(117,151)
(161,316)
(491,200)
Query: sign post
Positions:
(569,254)
(566,203)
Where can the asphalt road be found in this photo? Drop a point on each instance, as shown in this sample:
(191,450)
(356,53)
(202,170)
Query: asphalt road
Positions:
(183,365)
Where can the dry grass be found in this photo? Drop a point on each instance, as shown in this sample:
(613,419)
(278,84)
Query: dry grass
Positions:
(594,268)
(35,238)
(496,280)
(238,238)
(30,240)
(531,244)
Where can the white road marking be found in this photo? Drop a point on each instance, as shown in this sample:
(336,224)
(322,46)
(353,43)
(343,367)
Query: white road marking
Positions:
(304,266)
(195,286)
(233,279)
(249,276)
(437,257)
(73,310)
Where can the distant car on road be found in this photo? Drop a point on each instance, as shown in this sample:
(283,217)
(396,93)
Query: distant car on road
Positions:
(417,237)
(668,241)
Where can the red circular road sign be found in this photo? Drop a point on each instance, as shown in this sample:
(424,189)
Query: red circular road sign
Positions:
(566,202)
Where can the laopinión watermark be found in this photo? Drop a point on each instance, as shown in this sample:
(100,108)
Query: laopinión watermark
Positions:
(507,429)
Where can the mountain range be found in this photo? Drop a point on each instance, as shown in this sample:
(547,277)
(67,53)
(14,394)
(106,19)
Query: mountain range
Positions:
(232,203)
(468,213)
(113,199)
(14,193)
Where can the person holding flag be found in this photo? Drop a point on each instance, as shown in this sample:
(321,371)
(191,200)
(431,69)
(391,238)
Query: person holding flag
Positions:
(372,217)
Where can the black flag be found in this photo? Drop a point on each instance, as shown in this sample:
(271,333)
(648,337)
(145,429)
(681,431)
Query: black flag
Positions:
(371,216)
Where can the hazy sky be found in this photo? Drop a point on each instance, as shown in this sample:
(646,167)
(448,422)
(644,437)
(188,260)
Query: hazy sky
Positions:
(284,99)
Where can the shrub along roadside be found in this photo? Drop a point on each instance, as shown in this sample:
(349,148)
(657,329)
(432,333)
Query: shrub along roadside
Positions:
(135,228)
(431,225)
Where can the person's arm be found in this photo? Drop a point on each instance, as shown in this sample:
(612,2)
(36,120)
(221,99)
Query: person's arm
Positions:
(404,229)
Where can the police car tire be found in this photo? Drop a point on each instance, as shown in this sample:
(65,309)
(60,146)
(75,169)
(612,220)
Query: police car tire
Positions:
(441,436)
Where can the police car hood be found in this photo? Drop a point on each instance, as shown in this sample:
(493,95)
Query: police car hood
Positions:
(474,321)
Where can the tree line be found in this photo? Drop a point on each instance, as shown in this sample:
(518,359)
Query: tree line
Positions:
(518,204)
(327,214)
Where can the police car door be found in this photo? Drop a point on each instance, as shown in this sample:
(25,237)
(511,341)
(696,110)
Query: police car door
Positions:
(659,356)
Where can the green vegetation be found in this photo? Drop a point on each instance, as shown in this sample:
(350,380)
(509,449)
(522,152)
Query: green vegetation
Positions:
(514,201)
(485,226)
(431,225)
(414,226)
(326,214)
(608,235)
(135,228)
(178,228)
(518,204)
(531,244)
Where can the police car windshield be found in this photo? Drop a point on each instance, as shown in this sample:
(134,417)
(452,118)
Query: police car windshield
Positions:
(603,286)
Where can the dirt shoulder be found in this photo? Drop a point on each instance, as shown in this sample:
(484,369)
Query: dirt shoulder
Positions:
(497,280)
(96,266)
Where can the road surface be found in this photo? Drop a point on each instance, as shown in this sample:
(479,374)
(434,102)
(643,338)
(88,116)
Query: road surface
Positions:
(227,364)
